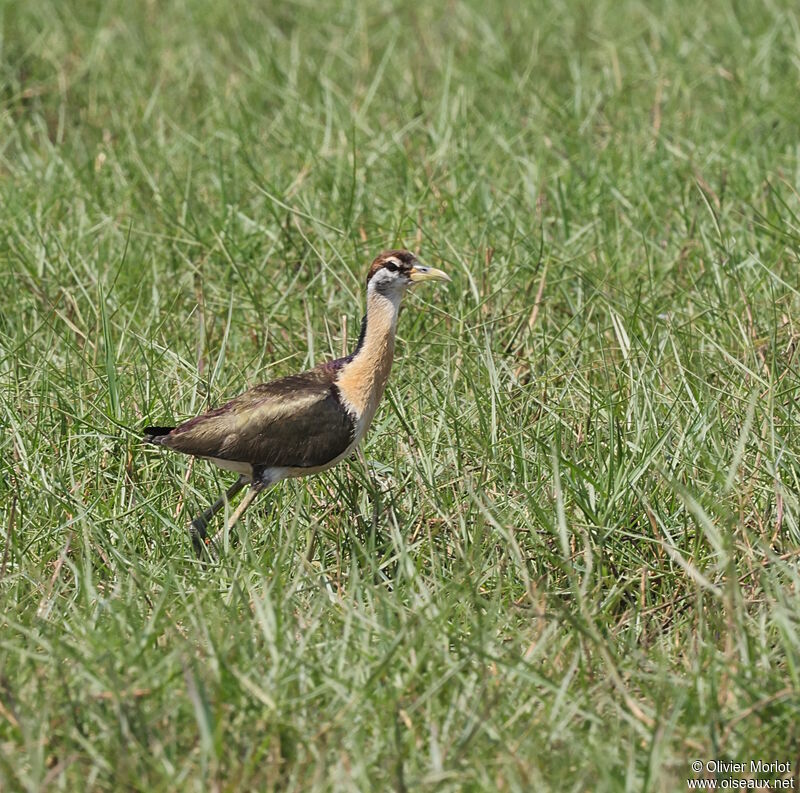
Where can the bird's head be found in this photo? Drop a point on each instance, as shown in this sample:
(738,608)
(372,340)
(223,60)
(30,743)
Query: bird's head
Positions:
(393,272)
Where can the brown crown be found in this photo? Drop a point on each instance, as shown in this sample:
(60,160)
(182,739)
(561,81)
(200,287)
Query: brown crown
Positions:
(406,259)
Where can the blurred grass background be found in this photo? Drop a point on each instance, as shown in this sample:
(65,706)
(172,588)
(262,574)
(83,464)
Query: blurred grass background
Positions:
(571,561)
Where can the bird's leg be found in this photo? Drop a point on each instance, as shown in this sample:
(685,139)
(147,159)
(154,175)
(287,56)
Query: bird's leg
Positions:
(249,498)
(245,503)
(199,524)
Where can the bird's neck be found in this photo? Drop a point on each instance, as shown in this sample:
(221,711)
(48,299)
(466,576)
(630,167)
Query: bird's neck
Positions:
(363,377)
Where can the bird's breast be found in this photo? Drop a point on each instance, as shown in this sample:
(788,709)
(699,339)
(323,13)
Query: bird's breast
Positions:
(362,381)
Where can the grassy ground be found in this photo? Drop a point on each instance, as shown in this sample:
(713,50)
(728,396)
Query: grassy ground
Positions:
(570,562)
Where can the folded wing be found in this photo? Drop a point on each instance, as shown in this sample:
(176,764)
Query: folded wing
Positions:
(296,422)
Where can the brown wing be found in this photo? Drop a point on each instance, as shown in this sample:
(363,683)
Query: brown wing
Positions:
(298,422)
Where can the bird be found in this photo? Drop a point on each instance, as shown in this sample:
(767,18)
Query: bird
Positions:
(305,423)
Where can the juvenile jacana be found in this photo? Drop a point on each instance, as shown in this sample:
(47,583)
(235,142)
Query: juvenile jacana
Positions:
(308,422)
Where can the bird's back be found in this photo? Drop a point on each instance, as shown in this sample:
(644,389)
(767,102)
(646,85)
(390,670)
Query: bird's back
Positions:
(294,422)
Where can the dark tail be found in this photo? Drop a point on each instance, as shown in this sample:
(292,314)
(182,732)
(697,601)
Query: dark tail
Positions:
(156,434)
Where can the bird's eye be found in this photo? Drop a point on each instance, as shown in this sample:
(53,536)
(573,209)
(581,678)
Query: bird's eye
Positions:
(391,267)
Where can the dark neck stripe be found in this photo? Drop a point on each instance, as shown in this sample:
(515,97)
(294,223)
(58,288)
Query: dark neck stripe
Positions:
(362,335)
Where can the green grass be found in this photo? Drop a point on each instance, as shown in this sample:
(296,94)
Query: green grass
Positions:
(570,562)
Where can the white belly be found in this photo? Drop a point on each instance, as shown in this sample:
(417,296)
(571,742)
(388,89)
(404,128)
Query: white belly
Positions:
(245,469)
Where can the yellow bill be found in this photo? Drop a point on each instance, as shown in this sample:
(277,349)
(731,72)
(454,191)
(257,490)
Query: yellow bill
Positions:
(421,273)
